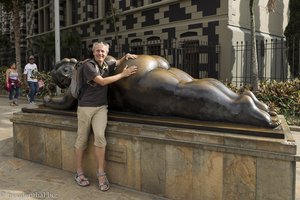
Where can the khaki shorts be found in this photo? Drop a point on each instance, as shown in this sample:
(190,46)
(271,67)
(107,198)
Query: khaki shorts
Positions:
(91,117)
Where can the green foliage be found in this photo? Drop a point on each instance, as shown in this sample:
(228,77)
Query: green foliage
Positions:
(44,45)
(293,26)
(3,79)
(70,45)
(49,84)
(4,42)
(8,4)
(292,33)
(283,97)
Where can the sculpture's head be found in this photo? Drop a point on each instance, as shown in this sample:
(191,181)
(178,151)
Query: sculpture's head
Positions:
(62,72)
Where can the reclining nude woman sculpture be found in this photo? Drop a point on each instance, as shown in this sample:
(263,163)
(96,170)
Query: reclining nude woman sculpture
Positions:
(158,89)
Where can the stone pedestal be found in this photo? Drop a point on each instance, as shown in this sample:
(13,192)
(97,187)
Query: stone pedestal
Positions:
(170,157)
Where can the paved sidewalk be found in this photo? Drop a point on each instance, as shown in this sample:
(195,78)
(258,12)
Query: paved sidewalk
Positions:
(21,179)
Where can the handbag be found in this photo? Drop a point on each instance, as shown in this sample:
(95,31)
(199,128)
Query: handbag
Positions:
(7,86)
(41,83)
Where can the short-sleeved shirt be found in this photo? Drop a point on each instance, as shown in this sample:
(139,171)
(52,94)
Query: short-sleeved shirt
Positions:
(95,95)
(31,71)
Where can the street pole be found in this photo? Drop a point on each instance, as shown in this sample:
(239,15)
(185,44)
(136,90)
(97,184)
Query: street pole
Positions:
(56,29)
(57,36)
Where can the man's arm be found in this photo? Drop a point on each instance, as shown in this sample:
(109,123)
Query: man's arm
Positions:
(127,71)
(25,76)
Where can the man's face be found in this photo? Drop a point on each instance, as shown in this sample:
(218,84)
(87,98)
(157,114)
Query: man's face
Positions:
(100,52)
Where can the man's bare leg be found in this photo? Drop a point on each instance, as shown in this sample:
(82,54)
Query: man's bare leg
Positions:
(79,158)
(100,155)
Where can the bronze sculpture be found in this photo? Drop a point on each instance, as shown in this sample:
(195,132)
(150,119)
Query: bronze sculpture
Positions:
(158,89)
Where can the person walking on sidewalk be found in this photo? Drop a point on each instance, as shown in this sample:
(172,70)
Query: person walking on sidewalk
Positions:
(30,78)
(92,109)
(13,84)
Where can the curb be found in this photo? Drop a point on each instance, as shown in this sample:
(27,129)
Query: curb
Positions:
(295,128)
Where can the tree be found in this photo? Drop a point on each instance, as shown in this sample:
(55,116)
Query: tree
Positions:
(292,33)
(45,45)
(14,6)
(254,65)
(70,45)
(112,16)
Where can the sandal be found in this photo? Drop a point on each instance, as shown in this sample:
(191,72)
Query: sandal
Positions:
(103,186)
(81,181)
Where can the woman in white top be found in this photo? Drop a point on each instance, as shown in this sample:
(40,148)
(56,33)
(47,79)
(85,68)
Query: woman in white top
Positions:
(13,84)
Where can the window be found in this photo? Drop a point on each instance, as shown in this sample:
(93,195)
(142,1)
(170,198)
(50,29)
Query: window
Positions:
(107,8)
(153,46)
(136,3)
(136,46)
(91,9)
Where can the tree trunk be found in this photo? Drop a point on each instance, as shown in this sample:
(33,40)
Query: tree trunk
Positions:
(113,13)
(16,28)
(254,65)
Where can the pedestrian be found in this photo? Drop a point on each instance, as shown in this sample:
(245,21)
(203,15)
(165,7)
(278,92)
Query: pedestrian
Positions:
(30,79)
(92,109)
(13,84)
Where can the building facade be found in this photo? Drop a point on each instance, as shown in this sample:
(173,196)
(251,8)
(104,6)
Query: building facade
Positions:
(164,27)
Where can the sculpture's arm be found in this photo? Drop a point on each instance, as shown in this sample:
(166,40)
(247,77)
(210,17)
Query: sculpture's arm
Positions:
(65,102)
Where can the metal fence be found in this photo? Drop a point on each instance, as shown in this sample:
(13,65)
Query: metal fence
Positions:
(201,60)
(272,57)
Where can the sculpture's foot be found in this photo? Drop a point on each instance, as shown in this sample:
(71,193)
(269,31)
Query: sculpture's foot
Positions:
(274,123)
(272,113)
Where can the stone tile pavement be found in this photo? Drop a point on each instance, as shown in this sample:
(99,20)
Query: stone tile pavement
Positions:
(21,179)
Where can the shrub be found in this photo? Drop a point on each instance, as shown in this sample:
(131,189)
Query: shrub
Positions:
(283,97)
(3,79)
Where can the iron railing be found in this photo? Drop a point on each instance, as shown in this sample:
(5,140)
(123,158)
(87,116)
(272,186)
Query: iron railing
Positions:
(272,58)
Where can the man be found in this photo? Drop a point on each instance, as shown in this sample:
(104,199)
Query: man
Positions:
(92,109)
(30,79)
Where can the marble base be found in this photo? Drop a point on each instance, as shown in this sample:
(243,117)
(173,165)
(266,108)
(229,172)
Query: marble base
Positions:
(197,160)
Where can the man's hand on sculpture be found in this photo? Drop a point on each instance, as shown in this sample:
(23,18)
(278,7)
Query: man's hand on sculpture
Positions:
(127,71)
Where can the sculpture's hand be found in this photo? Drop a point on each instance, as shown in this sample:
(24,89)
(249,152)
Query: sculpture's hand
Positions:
(127,71)
(130,56)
